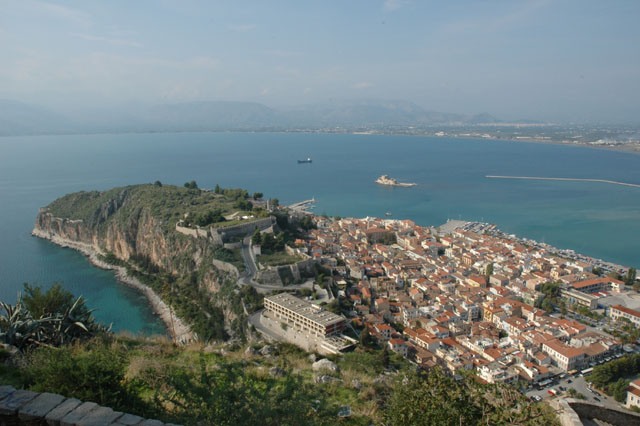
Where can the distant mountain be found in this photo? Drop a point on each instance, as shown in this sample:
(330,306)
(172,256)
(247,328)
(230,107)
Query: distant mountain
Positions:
(212,115)
(17,118)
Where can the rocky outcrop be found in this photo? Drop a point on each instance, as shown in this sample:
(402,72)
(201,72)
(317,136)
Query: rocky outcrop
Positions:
(124,224)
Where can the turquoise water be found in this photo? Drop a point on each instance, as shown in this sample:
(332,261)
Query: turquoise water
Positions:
(597,219)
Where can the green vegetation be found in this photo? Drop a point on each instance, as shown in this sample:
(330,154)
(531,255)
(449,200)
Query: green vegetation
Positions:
(52,318)
(165,203)
(191,185)
(575,394)
(278,259)
(626,331)
(435,399)
(195,385)
(612,377)
(551,299)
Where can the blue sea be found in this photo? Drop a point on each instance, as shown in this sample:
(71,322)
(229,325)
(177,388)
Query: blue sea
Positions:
(597,219)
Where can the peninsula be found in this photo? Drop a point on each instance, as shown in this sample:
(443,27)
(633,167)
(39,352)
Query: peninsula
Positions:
(388,181)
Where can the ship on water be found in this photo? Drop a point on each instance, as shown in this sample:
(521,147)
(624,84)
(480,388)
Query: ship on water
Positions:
(307,160)
(386,180)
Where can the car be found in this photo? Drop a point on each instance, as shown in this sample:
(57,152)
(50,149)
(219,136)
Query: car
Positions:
(562,388)
(569,381)
(595,398)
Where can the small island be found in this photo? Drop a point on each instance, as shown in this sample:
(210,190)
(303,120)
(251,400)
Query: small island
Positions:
(386,180)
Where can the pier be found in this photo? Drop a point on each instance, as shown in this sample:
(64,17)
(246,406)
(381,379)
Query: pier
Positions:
(634,185)
(302,205)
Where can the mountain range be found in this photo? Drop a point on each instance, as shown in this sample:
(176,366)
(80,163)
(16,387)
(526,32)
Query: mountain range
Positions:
(18,118)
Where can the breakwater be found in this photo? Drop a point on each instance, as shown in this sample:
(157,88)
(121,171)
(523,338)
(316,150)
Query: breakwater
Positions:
(634,185)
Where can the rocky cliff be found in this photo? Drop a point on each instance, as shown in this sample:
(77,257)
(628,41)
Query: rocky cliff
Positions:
(134,227)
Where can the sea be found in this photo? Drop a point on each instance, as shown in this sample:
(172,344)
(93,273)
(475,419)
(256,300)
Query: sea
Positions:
(597,219)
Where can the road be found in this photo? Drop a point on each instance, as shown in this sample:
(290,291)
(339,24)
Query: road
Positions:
(579,384)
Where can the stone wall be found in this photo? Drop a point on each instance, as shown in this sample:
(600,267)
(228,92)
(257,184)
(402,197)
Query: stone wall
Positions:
(608,415)
(226,267)
(21,407)
(243,229)
(191,232)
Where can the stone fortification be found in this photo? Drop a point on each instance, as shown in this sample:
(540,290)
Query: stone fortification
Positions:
(21,407)
(221,236)
(275,274)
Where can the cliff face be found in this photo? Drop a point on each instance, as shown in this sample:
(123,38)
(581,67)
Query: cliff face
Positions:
(141,236)
(137,223)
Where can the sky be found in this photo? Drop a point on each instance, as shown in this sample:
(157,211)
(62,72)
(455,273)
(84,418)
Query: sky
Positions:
(550,60)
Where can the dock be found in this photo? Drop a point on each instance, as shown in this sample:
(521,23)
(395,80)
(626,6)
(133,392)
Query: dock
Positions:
(302,205)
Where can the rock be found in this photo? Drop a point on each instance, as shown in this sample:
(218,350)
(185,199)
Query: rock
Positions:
(356,384)
(40,406)
(381,380)
(277,372)
(13,354)
(54,416)
(325,364)
(312,357)
(322,379)
(101,416)
(13,401)
(267,350)
(78,413)
(250,351)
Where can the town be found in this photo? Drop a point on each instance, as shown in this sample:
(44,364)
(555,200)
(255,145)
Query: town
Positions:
(463,296)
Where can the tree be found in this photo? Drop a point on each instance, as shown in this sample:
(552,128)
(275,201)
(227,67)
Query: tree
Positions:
(158,183)
(275,202)
(218,190)
(191,185)
(53,301)
(489,271)
(256,238)
(436,399)
(630,278)
(365,337)
(257,195)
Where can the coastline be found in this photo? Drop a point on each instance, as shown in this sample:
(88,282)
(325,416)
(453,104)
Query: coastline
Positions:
(620,148)
(177,329)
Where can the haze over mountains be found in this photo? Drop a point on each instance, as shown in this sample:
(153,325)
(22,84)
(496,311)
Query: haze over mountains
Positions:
(17,118)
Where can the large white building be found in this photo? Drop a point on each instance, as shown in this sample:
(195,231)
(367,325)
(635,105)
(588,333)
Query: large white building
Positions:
(305,316)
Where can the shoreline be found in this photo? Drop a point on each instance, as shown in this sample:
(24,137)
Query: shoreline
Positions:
(179,331)
(620,148)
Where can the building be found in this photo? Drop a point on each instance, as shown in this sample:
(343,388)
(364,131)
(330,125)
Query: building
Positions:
(579,298)
(303,315)
(633,394)
(618,311)
(565,357)
(598,284)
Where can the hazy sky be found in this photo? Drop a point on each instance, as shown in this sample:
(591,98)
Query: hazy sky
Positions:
(552,60)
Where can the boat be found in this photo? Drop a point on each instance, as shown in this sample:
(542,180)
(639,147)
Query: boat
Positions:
(388,181)
(307,160)
(388,214)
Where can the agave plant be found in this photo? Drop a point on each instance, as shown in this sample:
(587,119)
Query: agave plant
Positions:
(75,322)
(17,328)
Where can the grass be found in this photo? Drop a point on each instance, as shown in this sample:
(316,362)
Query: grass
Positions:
(278,259)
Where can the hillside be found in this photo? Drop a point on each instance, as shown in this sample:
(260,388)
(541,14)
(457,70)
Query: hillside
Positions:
(134,228)
(265,384)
